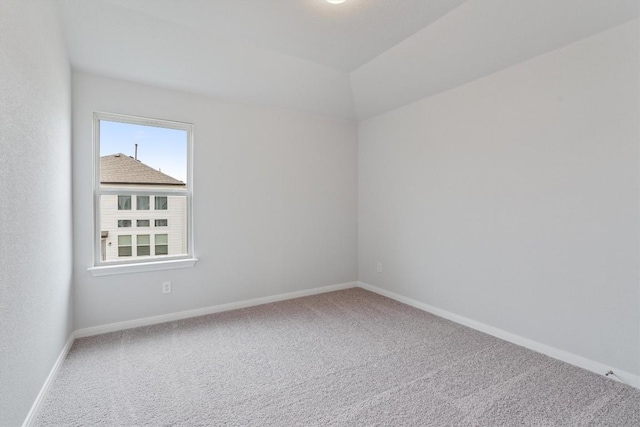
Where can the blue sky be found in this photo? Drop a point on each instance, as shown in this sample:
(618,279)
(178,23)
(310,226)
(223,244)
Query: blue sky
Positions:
(160,148)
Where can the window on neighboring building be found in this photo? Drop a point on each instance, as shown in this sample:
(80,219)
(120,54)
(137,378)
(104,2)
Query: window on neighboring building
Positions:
(124,245)
(143,243)
(124,203)
(142,203)
(161,203)
(162,244)
(142,165)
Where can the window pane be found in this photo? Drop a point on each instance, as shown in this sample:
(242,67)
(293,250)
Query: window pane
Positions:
(160,148)
(124,251)
(124,240)
(142,203)
(138,163)
(124,203)
(143,241)
(162,247)
(161,203)
(124,245)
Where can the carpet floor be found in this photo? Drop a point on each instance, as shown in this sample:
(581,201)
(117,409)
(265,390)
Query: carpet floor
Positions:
(338,359)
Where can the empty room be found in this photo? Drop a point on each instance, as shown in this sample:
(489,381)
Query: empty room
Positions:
(319,212)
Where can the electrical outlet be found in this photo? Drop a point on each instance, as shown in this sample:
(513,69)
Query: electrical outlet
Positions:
(166,287)
(379,267)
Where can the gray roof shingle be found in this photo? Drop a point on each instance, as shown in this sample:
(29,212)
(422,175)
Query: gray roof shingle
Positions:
(122,169)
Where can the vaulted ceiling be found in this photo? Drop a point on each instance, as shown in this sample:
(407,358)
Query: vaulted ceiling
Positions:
(350,61)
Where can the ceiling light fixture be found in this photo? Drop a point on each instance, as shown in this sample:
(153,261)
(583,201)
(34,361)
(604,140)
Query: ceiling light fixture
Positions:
(335,1)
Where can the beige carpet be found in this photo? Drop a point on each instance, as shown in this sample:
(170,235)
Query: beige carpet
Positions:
(341,359)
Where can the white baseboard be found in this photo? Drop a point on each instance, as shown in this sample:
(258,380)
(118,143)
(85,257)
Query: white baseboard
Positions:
(129,324)
(33,412)
(565,356)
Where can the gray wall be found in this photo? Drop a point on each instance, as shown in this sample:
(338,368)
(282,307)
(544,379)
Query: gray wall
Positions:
(275,199)
(35,212)
(514,200)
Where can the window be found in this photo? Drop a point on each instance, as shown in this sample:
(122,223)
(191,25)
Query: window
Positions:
(142,165)
(162,244)
(161,203)
(124,203)
(124,245)
(143,245)
(142,203)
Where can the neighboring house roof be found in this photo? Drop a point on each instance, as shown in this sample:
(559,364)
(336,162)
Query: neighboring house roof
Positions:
(122,169)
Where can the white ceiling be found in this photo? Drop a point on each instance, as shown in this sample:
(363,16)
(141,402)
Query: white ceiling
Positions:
(349,61)
(478,39)
(338,36)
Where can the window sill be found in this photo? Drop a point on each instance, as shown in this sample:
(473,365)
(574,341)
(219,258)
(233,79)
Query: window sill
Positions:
(109,270)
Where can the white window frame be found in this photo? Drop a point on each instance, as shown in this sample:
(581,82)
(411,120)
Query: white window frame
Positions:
(165,262)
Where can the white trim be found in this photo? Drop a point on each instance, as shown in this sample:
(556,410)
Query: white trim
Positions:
(143,121)
(140,191)
(129,324)
(33,412)
(140,267)
(565,356)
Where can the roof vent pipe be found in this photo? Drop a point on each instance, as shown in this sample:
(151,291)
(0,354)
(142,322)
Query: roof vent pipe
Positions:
(136,153)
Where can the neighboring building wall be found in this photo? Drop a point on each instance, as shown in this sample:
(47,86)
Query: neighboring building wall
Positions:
(176,228)
(35,189)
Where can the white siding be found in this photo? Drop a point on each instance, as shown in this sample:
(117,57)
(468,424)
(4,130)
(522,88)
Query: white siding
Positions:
(176,215)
